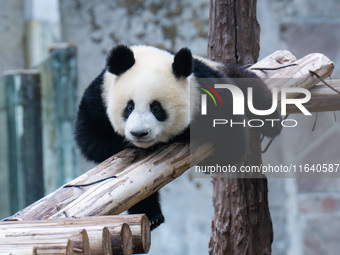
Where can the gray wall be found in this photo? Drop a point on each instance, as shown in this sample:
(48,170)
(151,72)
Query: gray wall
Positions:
(97,26)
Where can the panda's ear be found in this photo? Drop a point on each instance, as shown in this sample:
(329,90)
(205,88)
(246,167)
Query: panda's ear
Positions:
(182,66)
(120,59)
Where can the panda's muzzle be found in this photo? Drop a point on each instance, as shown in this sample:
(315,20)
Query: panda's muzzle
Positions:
(139,134)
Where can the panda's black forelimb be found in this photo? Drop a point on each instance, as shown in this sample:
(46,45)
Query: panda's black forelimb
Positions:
(93,132)
(152,209)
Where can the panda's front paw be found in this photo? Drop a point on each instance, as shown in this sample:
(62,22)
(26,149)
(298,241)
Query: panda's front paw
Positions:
(152,209)
(155,220)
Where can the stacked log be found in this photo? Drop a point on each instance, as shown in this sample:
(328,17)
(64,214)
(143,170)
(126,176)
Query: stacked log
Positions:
(125,234)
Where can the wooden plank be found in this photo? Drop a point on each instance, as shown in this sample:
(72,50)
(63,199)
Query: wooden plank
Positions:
(24,137)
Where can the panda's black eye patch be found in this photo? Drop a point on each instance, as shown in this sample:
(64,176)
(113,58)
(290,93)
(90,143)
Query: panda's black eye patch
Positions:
(128,109)
(158,111)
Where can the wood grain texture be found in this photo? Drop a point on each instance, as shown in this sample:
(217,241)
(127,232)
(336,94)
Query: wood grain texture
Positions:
(116,184)
(241,222)
(85,235)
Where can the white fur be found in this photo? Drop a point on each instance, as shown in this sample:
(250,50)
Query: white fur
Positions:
(150,79)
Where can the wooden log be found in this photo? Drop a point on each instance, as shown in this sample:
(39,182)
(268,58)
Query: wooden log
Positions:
(117,240)
(279,59)
(24,137)
(323,99)
(42,249)
(20,250)
(132,174)
(138,223)
(45,242)
(61,249)
(241,222)
(298,73)
(60,104)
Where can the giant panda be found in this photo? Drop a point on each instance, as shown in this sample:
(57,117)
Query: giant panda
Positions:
(147,96)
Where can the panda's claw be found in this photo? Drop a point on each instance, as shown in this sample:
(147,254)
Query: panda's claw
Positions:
(156,220)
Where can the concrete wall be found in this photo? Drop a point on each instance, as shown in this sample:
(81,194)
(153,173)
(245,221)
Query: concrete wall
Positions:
(11,57)
(100,25)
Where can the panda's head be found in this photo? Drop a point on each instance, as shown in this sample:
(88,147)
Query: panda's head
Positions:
(147,93)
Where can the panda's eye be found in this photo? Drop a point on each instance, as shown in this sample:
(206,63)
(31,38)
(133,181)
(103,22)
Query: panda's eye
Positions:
(155,108)
(158,111)
(130,107)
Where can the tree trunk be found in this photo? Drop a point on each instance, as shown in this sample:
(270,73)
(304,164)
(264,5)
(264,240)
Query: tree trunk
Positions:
(242,222)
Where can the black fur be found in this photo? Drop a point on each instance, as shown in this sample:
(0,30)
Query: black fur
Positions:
(120,59)
(152,208)
(182,66)
(93,131)
(201,70)
(97,139)
(128,109)
(158,111)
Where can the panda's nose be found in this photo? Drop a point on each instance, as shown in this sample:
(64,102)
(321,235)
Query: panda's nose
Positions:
(139,134)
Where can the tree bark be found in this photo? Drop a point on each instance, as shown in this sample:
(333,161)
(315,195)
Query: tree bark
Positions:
(242,222)
(234,32)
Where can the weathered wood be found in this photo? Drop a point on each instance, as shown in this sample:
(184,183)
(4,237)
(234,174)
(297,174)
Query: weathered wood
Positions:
(44,240)
(24,137)
(117,240)
(323,99)
(233,27)
(60,102)
(50,246)
(241,223)
(278,59)
(298,74)
(20,250)
(138,224)
(132,174)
